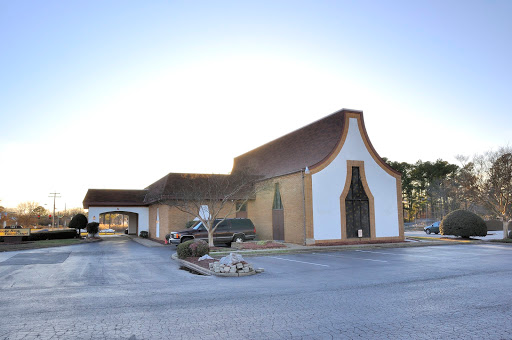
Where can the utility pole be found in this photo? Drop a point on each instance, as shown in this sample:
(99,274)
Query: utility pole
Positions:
(54,196)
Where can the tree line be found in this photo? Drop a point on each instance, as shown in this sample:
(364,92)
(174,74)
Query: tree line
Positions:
(481,183)
(31,214)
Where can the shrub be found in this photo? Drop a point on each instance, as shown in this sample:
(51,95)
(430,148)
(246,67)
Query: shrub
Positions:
(144,234)
(51,235)
(190,224)
(192,248)
(463,223)
(79,221)
(93,228)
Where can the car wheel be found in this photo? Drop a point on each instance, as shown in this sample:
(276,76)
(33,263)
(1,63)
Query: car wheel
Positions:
(437,233)
(427,231)
(239,238)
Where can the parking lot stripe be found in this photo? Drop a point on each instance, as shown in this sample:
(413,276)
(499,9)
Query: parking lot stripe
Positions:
(350,257)
(399,254)
(315,264)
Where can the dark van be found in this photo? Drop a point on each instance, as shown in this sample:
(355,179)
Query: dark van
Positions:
(229,230)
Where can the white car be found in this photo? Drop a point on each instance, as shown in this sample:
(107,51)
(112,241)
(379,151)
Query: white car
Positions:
(107,231)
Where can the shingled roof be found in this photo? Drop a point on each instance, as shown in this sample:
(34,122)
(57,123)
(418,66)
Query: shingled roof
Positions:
(297,150)
(193,186)
(305,147)
(114,197)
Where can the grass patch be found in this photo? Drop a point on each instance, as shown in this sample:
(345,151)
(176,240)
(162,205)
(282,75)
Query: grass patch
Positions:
(39,244)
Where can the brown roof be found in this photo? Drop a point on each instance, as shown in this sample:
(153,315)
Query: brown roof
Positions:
(198,186)
(108,197)
(305,147)
(297,150)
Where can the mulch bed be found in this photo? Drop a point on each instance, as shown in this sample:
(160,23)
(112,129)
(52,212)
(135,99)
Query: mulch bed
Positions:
(204,263)
(250,246)
(255,246)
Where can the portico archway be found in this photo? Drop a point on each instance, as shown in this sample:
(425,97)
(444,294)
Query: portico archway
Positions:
(138,217)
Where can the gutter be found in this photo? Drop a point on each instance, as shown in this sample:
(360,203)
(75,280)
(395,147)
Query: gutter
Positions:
(303,205)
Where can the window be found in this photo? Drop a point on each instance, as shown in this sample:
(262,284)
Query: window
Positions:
(278,204)
(241,206)
(357,207)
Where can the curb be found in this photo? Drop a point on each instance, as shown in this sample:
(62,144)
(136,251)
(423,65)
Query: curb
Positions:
(317,249)
(205,271)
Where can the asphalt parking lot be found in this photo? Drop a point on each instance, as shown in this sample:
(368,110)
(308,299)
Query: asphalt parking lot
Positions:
(119,289)
(491,235)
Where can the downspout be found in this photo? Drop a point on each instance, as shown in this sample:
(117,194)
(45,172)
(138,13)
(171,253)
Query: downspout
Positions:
(303,205)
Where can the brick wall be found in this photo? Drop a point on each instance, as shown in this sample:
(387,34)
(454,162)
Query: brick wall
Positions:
(172,219)
(260,210)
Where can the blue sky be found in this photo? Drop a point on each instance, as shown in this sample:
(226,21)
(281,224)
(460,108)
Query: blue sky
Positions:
(115,94)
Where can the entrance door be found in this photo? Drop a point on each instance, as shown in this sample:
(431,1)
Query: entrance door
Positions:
(277,216)
(357,207)
(278,224)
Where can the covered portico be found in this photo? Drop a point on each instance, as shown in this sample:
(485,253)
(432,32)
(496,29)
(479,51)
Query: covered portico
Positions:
(126,202)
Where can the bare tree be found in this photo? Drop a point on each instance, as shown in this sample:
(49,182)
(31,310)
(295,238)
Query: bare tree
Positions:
(211,198)
(25,212)
(498,184)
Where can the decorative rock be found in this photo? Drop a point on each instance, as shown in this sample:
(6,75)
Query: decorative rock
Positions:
(226,269)
(232,258)
(260,270)
(239,265)
(232,269)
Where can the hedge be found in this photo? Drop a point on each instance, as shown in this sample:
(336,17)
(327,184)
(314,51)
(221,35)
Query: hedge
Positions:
(463,223)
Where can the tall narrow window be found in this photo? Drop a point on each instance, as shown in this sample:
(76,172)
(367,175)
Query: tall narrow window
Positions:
(357,207)
(277,215)
(241,210)
(278,205)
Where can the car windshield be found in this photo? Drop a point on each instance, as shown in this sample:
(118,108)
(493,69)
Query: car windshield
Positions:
(199,226)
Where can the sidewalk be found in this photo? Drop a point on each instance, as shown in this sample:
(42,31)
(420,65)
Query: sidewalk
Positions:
(145,242)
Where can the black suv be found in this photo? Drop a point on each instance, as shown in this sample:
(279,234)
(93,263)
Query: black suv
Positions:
(229,230)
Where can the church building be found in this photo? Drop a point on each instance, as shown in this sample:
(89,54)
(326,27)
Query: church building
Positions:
(325,183)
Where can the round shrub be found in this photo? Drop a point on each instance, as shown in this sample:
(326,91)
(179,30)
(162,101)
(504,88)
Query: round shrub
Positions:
(463,223)
(192,248)
(79,221)
(93,228)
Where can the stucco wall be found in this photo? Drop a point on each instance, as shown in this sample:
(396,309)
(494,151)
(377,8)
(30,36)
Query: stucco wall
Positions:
(143,215)
(328,184)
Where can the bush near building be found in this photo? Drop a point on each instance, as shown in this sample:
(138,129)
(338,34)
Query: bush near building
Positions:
(463,223)
(93,228)
(192,248)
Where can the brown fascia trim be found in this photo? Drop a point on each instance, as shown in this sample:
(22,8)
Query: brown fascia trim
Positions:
(109,204)
(341,140)
(373,149)
(289,133)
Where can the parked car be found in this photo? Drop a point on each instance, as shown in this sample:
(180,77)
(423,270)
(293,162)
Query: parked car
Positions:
(107,231)
(433,228)
(229,230)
